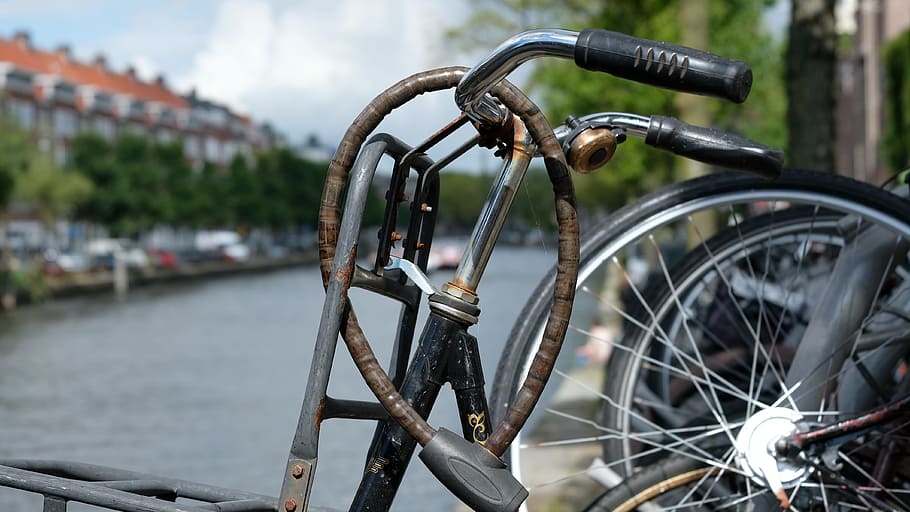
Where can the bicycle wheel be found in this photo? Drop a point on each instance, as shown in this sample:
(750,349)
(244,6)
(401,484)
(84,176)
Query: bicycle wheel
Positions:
(681,483)
(693,333)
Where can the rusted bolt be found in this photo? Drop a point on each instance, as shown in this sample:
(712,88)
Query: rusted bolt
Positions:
(395,236)
(290,505)
(421,245)
(424,207)
(297,471)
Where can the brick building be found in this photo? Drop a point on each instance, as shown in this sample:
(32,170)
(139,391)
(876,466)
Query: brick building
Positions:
(860,78)
(56,96)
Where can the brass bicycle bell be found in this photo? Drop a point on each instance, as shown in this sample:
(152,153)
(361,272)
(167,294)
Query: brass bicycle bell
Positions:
(591,149)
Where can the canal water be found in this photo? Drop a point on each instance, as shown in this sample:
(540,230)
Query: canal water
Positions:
(204,381)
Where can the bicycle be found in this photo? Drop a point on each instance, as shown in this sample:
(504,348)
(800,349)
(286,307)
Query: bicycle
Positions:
(650,378)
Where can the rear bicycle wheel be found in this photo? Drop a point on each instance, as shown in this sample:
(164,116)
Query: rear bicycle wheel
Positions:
(679,364)
(681,483)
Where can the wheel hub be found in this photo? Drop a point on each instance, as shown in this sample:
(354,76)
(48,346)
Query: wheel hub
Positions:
(757,455)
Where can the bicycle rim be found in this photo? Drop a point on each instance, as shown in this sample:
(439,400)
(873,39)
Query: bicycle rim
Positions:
(589,415)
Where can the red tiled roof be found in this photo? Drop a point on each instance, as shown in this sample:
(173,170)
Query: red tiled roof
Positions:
(57,63)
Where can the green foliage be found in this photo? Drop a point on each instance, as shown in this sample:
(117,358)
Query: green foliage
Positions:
(896,144)
(31,279)
(51,191)
(134,181)
(15,151)
(139,185)
(533,205)
(32,177)
(461,197)
(735,31)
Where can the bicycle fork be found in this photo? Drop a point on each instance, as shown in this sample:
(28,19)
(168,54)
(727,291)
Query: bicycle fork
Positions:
(855,284)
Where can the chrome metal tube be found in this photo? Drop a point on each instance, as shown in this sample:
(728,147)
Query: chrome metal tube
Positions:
(489,225)
(471,90)
(634,125)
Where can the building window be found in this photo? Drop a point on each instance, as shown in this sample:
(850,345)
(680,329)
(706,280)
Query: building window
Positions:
(104,126)
(191,146)
(212,152)
(23,111)
(230,149)
(64,122)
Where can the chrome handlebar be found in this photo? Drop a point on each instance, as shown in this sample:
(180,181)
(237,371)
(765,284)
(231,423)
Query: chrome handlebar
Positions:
(471,94)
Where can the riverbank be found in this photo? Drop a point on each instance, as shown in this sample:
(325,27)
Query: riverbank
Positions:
(100,282)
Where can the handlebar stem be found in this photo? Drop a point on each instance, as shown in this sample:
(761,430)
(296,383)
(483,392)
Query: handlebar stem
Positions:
(470,95)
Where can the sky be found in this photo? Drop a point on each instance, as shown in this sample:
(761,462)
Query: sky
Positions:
(306,66)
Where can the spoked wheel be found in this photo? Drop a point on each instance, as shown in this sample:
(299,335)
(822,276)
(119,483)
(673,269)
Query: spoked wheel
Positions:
(692,309)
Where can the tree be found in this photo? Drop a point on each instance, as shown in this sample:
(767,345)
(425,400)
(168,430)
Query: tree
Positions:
(15,150)
(811,59)
(244,193)
(51,191)
(896,144)
(176,187)
(461,196)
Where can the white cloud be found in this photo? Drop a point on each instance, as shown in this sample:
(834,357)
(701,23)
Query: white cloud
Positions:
(309,68)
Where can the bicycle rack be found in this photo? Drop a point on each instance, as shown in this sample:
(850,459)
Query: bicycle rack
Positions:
(381,279)
(118,489)
(61,482)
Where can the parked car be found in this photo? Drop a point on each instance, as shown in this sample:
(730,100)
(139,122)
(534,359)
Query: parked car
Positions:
(227,243)
(162,258)
(101,252)
(63,262)
(236,252)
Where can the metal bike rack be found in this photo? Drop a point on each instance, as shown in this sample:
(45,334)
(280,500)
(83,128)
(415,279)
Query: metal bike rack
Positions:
(61,482)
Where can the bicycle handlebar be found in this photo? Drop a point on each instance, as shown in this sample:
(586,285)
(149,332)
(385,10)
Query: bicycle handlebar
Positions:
(663,65)
(715,147)
(642,60)
(708,145)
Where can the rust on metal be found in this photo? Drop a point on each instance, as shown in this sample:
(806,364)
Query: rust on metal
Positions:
(320,409)
(567,265)
(297,471)
(344,274)
(782,498)
(290,505)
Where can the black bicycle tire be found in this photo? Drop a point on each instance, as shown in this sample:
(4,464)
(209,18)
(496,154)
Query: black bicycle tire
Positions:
(667,475)
(523,333)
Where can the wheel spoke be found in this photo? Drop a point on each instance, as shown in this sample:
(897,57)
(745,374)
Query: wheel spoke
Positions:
(729,388)
(757,341)
(717,412)
(697,342)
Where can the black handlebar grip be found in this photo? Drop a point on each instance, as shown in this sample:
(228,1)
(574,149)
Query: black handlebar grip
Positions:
(714,147)
(663,65)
